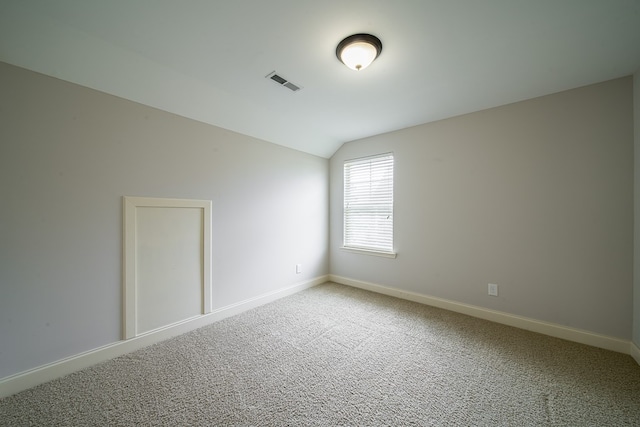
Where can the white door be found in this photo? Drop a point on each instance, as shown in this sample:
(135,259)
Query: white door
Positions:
(166,262)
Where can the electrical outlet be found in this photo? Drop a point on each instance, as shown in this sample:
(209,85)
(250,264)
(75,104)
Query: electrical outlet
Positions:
(493,289)
(298,268)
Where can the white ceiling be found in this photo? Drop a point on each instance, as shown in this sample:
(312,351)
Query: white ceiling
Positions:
(207,59)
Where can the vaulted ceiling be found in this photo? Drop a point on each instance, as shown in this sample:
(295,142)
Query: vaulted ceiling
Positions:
(207,59)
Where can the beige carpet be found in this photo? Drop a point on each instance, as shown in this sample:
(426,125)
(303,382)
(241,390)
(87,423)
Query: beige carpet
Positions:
(334,355)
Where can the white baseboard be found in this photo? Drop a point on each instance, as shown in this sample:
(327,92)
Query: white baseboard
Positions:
(33,377)
(635,352)
(546,328)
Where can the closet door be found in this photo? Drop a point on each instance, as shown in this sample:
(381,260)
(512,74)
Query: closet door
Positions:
(166,262)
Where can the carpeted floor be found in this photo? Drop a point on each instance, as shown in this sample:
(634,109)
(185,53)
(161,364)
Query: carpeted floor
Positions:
(334,355)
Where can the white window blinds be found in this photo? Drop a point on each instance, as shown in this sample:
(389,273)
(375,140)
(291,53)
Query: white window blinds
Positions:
(368,203)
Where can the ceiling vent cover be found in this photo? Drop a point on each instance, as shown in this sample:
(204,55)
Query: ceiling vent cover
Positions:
(283,82)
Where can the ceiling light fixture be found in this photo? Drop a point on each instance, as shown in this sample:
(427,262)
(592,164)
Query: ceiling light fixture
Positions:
(359,50)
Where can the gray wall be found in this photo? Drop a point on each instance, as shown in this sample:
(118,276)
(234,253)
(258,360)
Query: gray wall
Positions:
(67,156)
(536,197)
(636,261)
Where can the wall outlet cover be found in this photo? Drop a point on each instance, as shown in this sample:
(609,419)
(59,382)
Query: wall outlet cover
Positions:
(493,289)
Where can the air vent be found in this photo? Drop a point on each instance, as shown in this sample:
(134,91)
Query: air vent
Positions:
(283,82)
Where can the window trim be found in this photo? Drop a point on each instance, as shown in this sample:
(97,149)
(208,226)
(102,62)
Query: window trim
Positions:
(369,252)
(382,252)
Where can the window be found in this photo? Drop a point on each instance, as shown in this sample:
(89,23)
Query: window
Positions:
(368,204)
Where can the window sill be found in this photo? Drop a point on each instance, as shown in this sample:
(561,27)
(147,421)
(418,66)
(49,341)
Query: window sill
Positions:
(370,252)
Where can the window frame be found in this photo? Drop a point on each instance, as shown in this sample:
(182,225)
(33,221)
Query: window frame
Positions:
(386,191)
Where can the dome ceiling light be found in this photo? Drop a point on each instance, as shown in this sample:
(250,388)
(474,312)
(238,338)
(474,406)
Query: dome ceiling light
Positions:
(359,51)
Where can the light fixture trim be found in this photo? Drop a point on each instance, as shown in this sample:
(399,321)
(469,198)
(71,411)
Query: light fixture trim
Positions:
(359,40)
